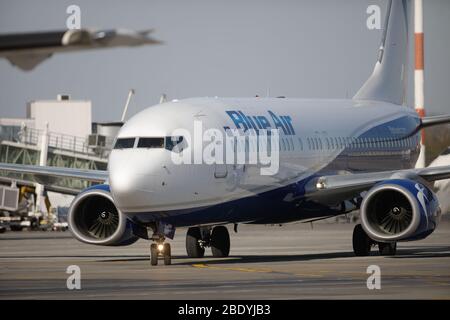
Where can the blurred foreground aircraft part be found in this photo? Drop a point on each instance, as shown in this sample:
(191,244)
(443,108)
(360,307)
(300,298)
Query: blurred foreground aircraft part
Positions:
(27,50)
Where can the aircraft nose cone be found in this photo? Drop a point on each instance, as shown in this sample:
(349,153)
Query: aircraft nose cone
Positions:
(131,189)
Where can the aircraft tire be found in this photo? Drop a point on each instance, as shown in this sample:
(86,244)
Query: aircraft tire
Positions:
(387,249)
(220,242)
(167,254)
(193,247)
(361,242)
(153,254)
(15,228)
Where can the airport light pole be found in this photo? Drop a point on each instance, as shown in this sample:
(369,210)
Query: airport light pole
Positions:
(39,188)
(419,99)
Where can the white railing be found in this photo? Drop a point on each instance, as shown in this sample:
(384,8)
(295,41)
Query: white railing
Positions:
(58,141)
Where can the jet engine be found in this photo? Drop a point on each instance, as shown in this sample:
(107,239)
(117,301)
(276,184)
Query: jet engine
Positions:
(93,218)
(399,210)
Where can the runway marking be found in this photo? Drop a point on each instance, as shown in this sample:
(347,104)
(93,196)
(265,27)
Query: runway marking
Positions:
(311,275)
(205,266)
(320,273)
(262,270)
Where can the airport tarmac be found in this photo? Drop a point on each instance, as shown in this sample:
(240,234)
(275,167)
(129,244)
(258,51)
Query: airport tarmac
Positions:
(266,262)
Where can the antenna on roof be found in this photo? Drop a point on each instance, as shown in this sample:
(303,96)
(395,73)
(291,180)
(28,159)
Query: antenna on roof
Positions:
(163,98)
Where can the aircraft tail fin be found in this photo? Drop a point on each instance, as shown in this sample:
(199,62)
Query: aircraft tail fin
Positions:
(388,80)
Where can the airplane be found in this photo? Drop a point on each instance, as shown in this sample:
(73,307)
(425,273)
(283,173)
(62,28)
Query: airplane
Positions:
(335,156)
(27,50)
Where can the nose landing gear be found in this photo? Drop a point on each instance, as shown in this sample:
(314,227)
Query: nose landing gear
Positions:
(160,249)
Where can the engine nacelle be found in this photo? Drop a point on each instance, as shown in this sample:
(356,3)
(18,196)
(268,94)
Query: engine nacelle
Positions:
(93,218)
(399,210)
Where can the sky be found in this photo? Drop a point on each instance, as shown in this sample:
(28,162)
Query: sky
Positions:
(293,48)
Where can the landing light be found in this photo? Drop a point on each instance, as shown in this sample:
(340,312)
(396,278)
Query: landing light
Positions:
(320,185)
(160,247)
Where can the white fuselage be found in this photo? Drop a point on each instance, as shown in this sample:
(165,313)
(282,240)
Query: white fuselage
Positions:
(338,136)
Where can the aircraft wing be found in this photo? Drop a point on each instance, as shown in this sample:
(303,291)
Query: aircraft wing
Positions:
(326,189)
(27,50)
(334,188)
(48,175)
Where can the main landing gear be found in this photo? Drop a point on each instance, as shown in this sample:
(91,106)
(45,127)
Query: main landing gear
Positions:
(197,239)
(160,249)
(362,244)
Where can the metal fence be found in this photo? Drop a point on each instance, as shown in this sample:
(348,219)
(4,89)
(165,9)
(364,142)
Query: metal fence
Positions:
(57,141)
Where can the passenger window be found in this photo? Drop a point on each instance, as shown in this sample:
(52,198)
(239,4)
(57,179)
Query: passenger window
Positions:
(124,143)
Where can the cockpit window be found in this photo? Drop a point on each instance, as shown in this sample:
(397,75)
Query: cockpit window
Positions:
(151,143)
(175,143)
(124,143)
(171,143)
